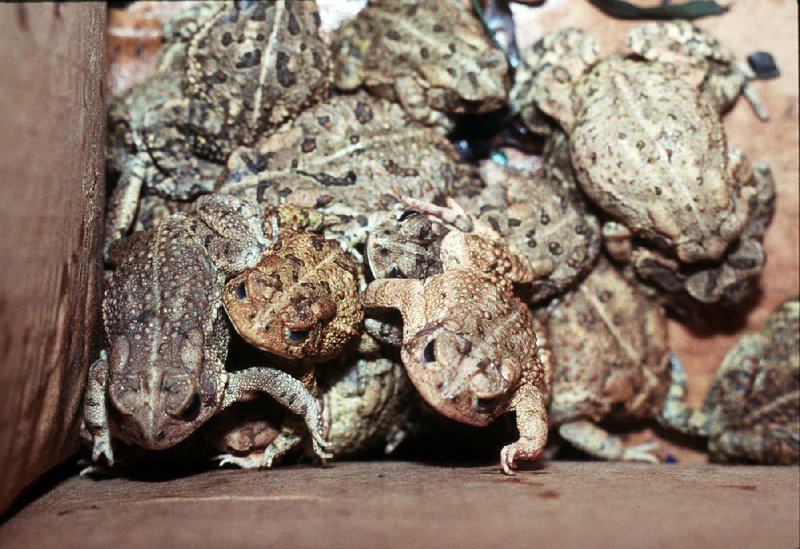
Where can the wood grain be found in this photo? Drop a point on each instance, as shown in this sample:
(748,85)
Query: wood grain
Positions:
(51,167)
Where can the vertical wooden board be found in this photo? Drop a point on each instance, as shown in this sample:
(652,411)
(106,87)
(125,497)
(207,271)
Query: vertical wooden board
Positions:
(52,138)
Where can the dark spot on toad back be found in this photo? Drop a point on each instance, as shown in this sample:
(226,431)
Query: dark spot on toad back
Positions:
(286,77)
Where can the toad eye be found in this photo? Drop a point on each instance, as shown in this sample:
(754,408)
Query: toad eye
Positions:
(408,214)
(240,291)
(429,352)
(392,272)
(297,336)
(193,409)
(484,404)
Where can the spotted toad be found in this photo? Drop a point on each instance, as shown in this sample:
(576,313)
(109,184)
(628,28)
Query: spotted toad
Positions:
(167,334)
(431,57)
(751,412)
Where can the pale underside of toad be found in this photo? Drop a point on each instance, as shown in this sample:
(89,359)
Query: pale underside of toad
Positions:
(608,350)
(752,410)
(431,57)
(230,73)
(645,138)
(167,334)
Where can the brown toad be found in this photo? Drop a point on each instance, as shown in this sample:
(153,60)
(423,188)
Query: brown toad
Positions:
(167,334)
(432,57)
(471,352)
(230,72)
(609,354)
(646,143)
(752,411)
(300,301)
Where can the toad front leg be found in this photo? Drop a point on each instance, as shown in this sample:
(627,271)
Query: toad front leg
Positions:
(288,391)
(95,414)
(124,201)
(531,408)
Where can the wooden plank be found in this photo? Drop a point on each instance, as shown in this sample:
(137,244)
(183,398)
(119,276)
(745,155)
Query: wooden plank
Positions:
(52,135)
(397,504)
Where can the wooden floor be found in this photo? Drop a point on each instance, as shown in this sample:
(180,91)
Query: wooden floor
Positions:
(402,504)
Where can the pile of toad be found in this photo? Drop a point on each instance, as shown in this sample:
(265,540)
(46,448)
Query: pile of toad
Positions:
(277,192)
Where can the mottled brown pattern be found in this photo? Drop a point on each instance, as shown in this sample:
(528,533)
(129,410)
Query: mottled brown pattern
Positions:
(432,57)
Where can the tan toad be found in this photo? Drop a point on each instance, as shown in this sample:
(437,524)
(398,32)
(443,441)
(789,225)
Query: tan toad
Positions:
(609,354)
(752,410)
(645,140)
(432,57)
(468,343)
(730,281)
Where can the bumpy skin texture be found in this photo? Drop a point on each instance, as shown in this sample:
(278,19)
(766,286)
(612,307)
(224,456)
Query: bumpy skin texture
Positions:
(543,217)
(352,157)
(162,311)
(700,57)
(229,72)
(608,347)
(663,169)
(300,302)
(432,57)
(471,352)
(730,281)
(251,66)
(405,244)
(167,335)
(752,411)
(370,403)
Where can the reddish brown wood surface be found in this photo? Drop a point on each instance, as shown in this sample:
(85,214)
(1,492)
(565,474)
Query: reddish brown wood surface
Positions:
(51,168)
(394,504)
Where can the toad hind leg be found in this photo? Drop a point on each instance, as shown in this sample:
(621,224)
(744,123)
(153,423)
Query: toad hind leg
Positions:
(532,426)
(288,439)
(597,442)
(288,391)
(95,414)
